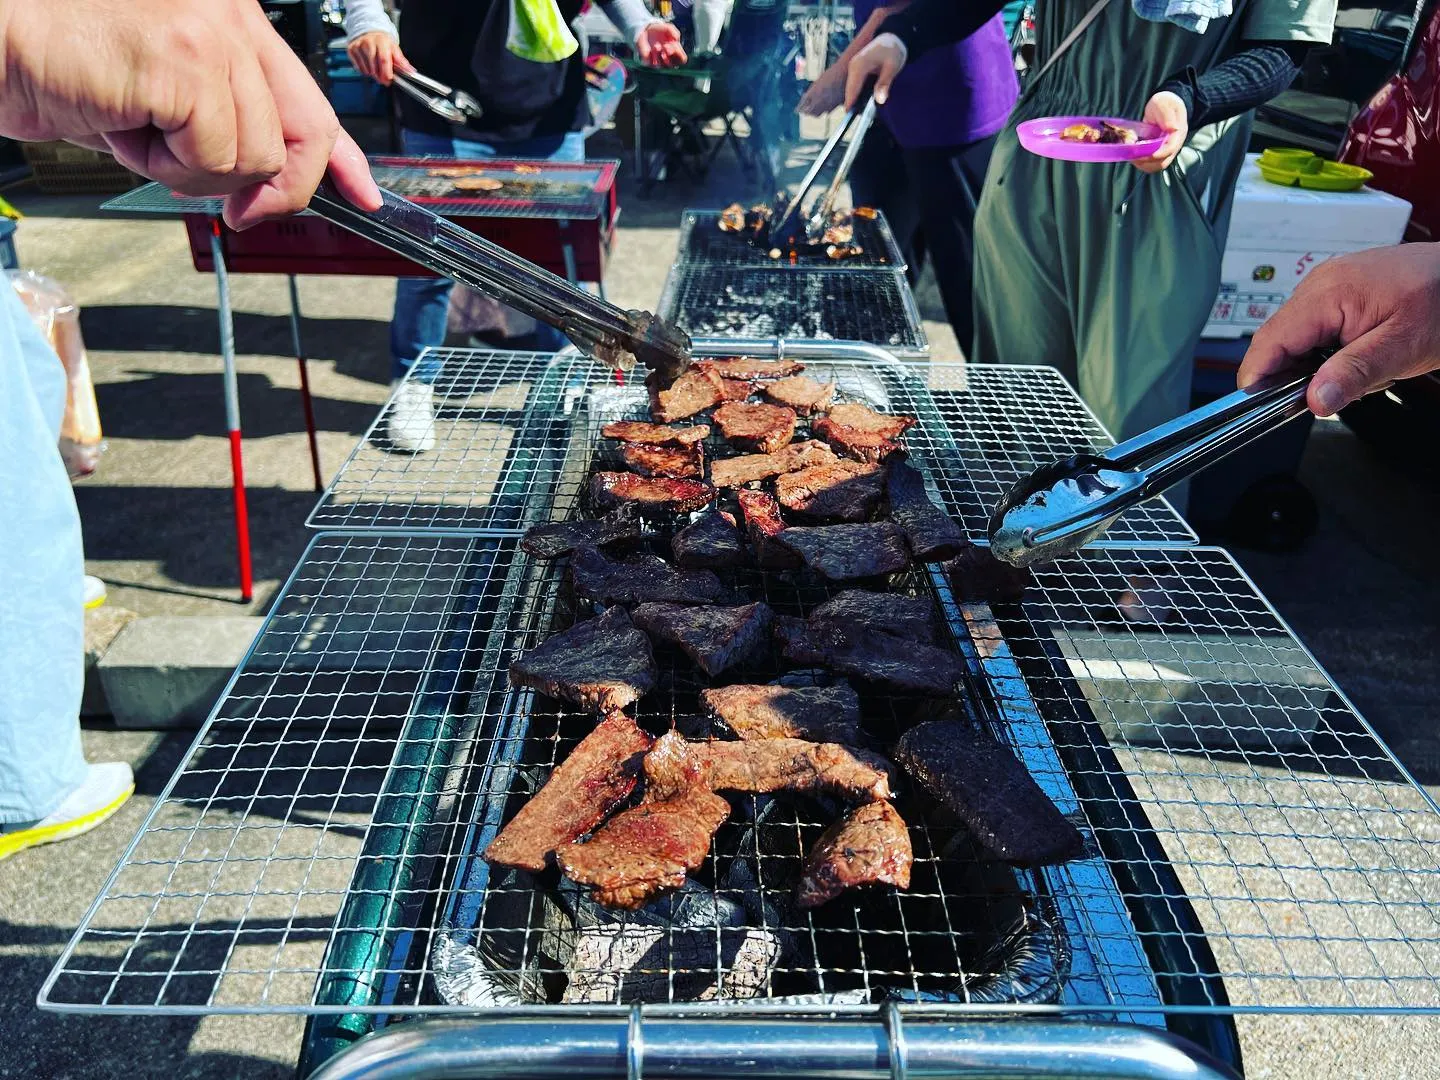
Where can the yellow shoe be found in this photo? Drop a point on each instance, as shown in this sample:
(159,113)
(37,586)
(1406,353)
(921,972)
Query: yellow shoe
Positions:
(106,788)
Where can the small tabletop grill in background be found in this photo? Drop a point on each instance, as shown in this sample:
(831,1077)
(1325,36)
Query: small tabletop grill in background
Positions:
(702,241)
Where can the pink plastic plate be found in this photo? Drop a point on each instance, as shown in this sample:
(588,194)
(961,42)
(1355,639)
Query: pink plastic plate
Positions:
(1043,137)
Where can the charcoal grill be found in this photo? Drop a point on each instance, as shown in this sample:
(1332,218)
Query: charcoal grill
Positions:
(1252,845)
(702,241)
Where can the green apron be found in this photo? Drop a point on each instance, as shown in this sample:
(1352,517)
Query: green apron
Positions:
(1103,271)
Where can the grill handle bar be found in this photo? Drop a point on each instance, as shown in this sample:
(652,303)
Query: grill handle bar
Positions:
(757,1049)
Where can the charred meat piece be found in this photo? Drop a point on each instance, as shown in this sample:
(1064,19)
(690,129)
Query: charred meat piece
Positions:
(870,844)
(733,472)
(929,531)
(716,638)
(841,231)
(763,526)
(639,579)
(691,393)
(613,490)
(562,537)
(853,442)
(742,367)
(637,431)
(732,218)
(674,765)
(870,654)
(736,389)
(979,577)
(603,664)
(912,617)
(801,393)
(762,428)
(827,714)
(988,788)
(712,540)
(838,491)
(845,552)
(598,776)
(1081,133)
(1117,133)
(677,462)
(647,850)
(863,418)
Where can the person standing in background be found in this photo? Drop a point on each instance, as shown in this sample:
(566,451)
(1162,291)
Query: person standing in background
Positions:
(530,110)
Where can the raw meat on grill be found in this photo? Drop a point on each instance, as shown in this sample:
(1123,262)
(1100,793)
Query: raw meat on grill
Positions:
(870,654)
(930,532)
(598,776)
(979,577)
(678,462)
(863,418)
(762,428)
(801,393)
(987,787)
(736,389)
(716,638)
(641,578)
(613,490)
(675,764)
(827,714)
(736,471)
(845,552)
(637,431)
(711,540)
(870,844)
(603,664)
(562,537)
(742,367)
(912,617)
(840,491)
(763,526)
(854,443)
(693,392)
(647,850)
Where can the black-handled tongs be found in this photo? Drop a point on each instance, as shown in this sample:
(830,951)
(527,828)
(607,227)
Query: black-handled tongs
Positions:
(857,121)
(1060,508)
(600,329)
(456,106)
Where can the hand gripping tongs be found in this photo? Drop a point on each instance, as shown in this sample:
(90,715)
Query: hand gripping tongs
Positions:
(456,106)
(1060,508)
(600,329)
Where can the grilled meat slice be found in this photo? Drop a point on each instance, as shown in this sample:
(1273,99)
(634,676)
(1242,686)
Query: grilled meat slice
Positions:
(987,787)
(737,389)
(763,526)
(911,617)
(674,765)
(829,714)
(840,491)
(637,431)
(647,850)
(870,844)
(562,537)
(716,638)
(844,552)
(929,531)
(691,393)
(603,664)
(854,443)
(977,576)
(613,490)
(711,540)
(863,418)
(598,776)
(732,218)
(639,579)
(870,654)
(762,428)
(742,367)
(736,471)
(801,393)
(677,462)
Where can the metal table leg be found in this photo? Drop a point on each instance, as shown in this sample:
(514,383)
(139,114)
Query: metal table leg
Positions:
(305,402)
(232,414)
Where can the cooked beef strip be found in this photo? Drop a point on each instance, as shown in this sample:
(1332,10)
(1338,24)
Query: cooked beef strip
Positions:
(737,389)
(678,462)
(613,490)
(912,617)
(863,418)
(852,442)
(763,526)
(870,844)
(977,576)
(844,552)
(562,537)
(693,392)
(674,764)
(637,431)
(603,664)
(987,787)
(647,850)
(840,491)
(716,638)
(711,540)
(762,428)
(742,367)
(598,776)
(828,714)
(736,471)
(801,393)
(929,531)
(640,578)
(870,654)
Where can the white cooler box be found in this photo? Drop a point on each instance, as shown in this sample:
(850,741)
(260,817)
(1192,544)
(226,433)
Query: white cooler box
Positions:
(1279,234)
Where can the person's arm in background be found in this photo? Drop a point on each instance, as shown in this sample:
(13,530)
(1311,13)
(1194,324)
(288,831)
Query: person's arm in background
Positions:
(656,41)
(201,95)
(827,92)
(372,42)
(923,25)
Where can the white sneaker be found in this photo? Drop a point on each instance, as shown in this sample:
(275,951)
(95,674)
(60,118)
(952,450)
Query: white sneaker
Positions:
(95,592)
(411,427)
(106,787)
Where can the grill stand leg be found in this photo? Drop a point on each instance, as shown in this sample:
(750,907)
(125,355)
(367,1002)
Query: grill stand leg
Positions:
(232,414)
(305,401)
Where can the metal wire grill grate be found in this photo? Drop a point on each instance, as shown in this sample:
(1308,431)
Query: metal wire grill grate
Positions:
(702,241)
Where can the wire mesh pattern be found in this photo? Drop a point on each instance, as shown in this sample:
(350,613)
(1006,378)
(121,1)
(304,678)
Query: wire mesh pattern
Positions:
(702,241)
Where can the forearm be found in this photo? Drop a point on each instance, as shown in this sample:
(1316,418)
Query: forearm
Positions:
(629,17)
(366,17)
(1247,79)
(928,24)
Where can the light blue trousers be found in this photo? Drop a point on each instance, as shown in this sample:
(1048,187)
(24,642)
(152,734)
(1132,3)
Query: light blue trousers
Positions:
(42,619)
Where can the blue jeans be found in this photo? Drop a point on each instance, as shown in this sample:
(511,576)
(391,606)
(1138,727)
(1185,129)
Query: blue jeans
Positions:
(423,304)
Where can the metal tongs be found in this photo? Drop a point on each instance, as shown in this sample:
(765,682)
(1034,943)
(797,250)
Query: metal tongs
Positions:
(857,120)
(456,106)
(1060,508)
(600,329)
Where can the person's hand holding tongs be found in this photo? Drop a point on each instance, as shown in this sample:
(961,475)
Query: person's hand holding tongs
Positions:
(378,56)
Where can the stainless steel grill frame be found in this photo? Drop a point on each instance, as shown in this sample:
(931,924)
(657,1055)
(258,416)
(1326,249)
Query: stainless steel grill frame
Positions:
(701,241)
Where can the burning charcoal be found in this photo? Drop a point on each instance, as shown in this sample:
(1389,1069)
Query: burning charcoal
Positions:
(801,393)
(763,526)
(912,617)
(641,578)
(839,491)
(931,534)
(870,654)
(762,428)
(828,714)
(677,462)
(710,542)
(602,664)
(562,537)
(716,638)
(635,431)
(766,765)
(737,471)
(617,490)
(691,393)
(979,577)
(845,552)
(870,844)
